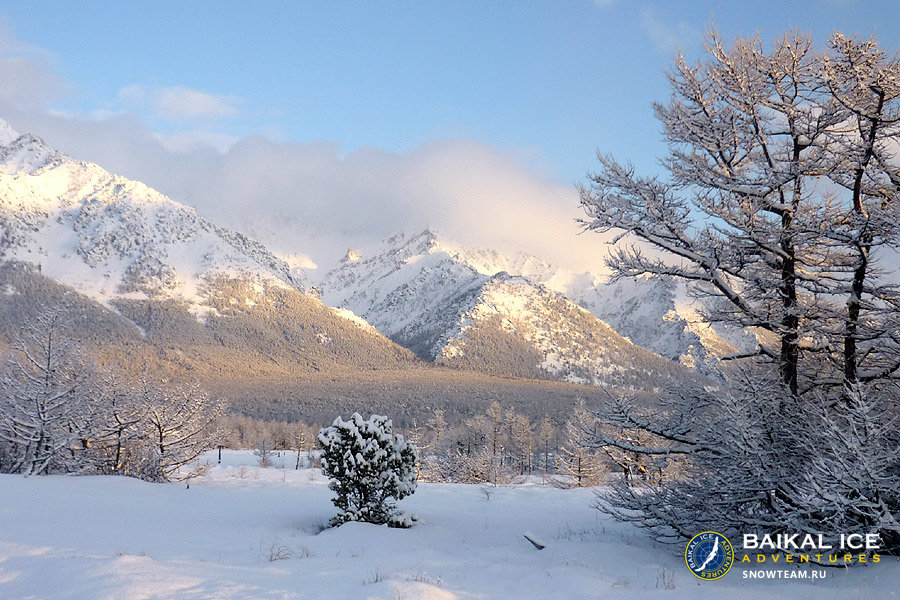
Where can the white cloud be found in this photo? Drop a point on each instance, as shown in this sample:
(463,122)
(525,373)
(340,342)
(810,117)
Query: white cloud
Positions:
(178,102)
(464,189)
(668,35)
(27,77)
(192,141)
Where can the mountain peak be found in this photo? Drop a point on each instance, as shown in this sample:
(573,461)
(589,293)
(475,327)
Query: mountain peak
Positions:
(431,241)
(404,245)
(427,234)
(25,153)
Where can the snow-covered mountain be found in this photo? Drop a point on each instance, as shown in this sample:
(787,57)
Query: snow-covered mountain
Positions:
(411,290)
(464,309)
(405,285)
(110,237)
(184,293)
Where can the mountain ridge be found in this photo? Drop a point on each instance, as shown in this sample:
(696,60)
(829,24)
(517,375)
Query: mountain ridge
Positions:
(656,313)
(423,292)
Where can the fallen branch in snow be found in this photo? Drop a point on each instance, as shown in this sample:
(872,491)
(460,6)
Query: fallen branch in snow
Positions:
(534,542)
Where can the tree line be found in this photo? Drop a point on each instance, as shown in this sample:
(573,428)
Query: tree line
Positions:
(60,413)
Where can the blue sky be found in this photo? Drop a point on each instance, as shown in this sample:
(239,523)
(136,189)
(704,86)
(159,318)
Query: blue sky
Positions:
(541,84)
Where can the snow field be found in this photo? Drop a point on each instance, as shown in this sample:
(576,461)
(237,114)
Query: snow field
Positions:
(243,532)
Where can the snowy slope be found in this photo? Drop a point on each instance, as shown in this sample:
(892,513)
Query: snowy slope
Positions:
(245,533)
(426,294)
(657,313)
(111,237)
(516,328)
(412,290)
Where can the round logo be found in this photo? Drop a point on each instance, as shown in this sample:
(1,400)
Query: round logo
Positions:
(709,555)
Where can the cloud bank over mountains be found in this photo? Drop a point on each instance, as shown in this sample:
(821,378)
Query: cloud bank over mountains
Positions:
(309,198)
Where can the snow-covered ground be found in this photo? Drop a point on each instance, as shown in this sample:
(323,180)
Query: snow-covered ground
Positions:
(242,532)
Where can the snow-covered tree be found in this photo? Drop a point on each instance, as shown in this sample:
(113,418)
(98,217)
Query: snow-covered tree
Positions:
(480,466)
(263,452)
(45,399)
(546,434)
(865,84)
(59,413)
(826,466)
(178,424)
(783,207)
(578,461)
(437,429)
(581,465)
(119,431)
(520,439)
(370,468)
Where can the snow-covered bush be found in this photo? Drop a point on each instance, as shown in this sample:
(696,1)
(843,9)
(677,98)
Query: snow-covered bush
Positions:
(756,459)
(370,467)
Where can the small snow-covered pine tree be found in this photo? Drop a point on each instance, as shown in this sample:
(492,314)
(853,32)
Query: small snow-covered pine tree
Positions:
(370,467)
